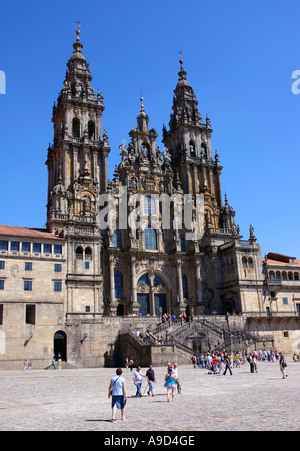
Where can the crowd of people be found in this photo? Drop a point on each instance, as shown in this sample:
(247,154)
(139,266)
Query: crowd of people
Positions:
(220,362)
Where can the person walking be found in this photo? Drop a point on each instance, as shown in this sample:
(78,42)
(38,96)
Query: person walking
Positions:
(25,366)
(138,380)
(283,365)
(117,390)
(171,385)
(175,371)
(251,362)
(227,365)
(151,380)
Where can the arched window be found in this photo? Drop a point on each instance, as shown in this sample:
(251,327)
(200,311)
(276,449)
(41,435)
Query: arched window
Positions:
(296,276)
(119,293)
(88,254)
(117,238)
(149,205)
(185,287)
(144,280)
(76,128)
(91,130)
(192,149)
(182,243)
(244,262)
(150,239)
(204,150)
(79,253)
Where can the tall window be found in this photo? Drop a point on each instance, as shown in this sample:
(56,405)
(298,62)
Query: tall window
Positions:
(192,149)
(76,128)
(182,243)
(117,238)
(91,130)
(118,285)
(149,206)
(150,239)
(185,287)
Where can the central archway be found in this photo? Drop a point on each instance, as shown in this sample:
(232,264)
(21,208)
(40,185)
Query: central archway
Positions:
(152,295)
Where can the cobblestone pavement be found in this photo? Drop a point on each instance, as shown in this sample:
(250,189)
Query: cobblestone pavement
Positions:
(77,400)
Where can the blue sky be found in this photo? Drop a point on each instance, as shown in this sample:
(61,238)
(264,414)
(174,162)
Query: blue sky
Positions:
(239,56)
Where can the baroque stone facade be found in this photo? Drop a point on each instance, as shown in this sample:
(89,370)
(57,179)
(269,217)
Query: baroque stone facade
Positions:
(156,239)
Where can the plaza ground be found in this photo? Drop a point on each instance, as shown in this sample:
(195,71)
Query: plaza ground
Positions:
(71,400)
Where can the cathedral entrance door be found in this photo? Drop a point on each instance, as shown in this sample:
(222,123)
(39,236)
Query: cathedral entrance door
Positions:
(144,301)
(160,300)
(60,345)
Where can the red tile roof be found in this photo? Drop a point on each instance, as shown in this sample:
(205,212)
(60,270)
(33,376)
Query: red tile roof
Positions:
(24,232)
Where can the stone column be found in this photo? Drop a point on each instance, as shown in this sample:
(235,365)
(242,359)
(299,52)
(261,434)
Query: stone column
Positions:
(182,305)
(113,305)
(134,303)
(199,307)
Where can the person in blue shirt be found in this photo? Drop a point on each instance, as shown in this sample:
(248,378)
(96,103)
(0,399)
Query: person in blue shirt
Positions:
(117,390)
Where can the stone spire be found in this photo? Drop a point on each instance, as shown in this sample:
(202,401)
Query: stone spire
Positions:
(78,77)
(185,104)
(143,118)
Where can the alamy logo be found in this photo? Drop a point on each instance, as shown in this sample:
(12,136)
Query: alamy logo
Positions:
(2,82)
(295,85)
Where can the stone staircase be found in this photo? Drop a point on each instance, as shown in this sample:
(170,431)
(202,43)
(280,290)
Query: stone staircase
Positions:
(200,334)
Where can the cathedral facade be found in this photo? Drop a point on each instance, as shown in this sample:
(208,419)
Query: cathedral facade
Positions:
(158,238)
(128,238)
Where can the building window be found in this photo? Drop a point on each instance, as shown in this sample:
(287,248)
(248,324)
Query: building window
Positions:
(117,238)
(3,245)
(30,314)
(144,280)
(25,247)
(149,206)
(118,285)
(88,254)
(298,309)
(87,309)
(158,281)
(285,301)
(192,149)
(47,248)
(36,247)
(27,285)
(79,253)
(15,246)
(57,249)
(182,243)
(150,239)
(76,128)
(1,284)
(185,287)
(285,334)
(57,267)
(91,130)
(1,314)
(2,265)
(57,286)
(28,266)
(87,265)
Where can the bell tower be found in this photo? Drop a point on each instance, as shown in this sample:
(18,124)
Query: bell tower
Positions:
(77,176)
(189,142)
(77,160)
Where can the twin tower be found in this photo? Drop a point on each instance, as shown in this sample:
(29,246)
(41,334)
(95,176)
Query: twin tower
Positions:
(151,269)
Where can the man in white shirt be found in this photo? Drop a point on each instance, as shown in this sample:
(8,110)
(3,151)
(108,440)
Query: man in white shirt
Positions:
(137,380)
(175,372)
